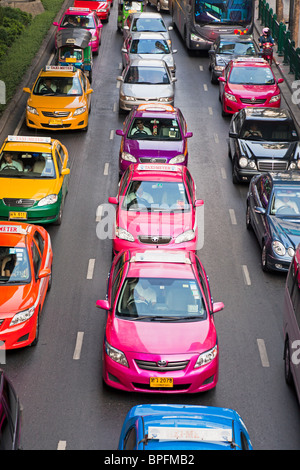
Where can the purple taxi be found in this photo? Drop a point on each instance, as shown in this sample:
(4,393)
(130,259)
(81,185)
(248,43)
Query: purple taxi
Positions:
(153,133)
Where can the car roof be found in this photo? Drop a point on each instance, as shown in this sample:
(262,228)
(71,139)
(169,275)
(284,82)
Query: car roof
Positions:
(156,110)
(28,143)
(14,233)
(148,35)
(59,70)
(236,38)
(147,63)
(76,10)
(161,263)
(281,114)
(147,14)
(159,171)
(287,178)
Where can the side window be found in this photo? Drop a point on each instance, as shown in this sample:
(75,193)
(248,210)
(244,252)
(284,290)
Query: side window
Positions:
(36,257)
(83,80)
(5,431)
(8,411)
(124,181)
(39,241)
(130,439)
(190,185)
(264,188)
(58,160)
(244,442)
(202,277)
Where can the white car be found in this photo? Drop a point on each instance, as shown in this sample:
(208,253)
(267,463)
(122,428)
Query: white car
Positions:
(146,22)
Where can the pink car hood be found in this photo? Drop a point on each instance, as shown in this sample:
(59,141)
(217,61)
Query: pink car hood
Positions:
(250,91)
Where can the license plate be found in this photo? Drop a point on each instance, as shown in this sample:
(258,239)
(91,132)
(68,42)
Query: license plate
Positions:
(55,122)
(18,215)
(166,382)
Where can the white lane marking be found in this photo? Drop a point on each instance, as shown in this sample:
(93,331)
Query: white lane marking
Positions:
(210,110)
(78,346)
(51,58)
(201,68)
(246,275)
(115,107)
(90,271)
(62,445)
(216,137)
(232,216)
(223,173)
(118,84)
(106,167)
(263,353)
(20,123)
(205,87)
(120,66)
(111,135)
(99,212)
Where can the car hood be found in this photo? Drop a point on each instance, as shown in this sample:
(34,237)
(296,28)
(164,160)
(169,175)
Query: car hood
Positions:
(277,150)
(141,90)
(56,102)
(285,230)
(224,59)
(28,188)
(160,337)
(15,299)
(256,91)
(154,148)
(155,223)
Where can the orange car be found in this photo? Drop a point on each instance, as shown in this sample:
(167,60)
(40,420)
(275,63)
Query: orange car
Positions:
(25,277)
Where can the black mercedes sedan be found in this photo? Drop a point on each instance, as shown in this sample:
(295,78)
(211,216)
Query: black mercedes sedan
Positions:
(262,139)
(273,212)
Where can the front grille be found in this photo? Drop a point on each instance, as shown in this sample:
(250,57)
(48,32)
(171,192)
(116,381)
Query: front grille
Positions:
(250,101)
(18,202)
(272,165)
(48,126)
(170,366)
(155,240)
(56,114)
(153,160)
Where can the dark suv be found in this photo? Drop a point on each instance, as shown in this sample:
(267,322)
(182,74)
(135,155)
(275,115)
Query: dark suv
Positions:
(10,415)
(262,139)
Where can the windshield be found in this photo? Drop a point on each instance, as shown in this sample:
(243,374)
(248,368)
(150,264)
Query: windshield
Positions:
(160,299)
(28,165)
(134,6)
(78,21)
(156,196)
(149,46)
(14,266)
(147,75)
(285,203)
(251,76)
(236,48)
(270,131)
(224,12)
(154,129)
(148,24)
(58,86)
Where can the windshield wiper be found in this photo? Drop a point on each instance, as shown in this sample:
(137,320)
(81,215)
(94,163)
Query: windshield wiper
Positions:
(162,318)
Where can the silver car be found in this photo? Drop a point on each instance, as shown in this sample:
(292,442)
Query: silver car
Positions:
(144,81)
(147,22)
(160,4)
(148,46)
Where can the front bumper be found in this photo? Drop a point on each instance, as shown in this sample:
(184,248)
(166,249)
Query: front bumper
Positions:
(119,245)
(127,105)
(35,214)
(277,263)
(18,336)
(232,107)
(124,164)
(65,123)
(135,379)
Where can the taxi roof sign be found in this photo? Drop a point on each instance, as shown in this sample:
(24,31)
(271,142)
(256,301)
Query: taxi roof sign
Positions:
(161,257)
(156,107)
(31,139)
(57,68)
(157,167)
(12,229)
(79,9)
(190,434)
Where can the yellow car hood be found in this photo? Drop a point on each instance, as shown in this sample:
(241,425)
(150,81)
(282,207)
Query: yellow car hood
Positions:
(56,102)
(28,188)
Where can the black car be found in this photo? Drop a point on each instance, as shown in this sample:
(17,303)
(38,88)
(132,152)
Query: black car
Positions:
(227,47)
(10,415)
(262,139)
(273,212)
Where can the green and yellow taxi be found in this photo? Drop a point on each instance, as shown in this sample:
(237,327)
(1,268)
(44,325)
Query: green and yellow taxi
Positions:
(34,173)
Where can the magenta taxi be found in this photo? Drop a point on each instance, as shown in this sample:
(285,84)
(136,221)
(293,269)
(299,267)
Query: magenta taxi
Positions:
(160,334)
(156,207)
(248,81)
(153,133)
(85,18)
(102,9)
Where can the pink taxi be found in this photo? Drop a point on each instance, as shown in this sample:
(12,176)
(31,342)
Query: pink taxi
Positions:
(102,9)
(160,334)
(156,208)
(83,18)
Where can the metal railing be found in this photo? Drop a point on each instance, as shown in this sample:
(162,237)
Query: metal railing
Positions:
(285,46)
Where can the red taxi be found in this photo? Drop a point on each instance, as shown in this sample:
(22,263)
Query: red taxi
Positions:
(83,18)
(25,277)
(102,9)
(248,81)
(156,208)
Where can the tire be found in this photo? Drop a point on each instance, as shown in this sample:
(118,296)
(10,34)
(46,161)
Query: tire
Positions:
(248,218)
(287,363)
(234,178)
(264,260)
(224,114)
(59,219)
(50,281)
(37,331)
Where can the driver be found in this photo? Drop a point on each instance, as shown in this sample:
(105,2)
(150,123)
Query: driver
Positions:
(144,293)
(140,128)
(253,131)
(284,201)
(8,162)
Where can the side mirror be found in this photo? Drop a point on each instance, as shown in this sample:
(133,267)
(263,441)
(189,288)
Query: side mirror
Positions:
(174,79)
(280,80)
(44,273)
(100,26)
(170,28)
(27,90)
(120,78)
(174,51)
(89,91)
(211,52)
(120,132)
(104,304)
(124,50)
(188,135)
(113,200)
(233,134)
(65,171)
(55,23)
(199,202)
(218,306)
(126,27)
(221,79)
(259,210)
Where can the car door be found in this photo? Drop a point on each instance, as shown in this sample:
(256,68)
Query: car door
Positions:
(125,51)
(234,133)
(263,188)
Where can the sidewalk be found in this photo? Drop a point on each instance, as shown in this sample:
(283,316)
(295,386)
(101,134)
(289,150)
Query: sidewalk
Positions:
(281,70)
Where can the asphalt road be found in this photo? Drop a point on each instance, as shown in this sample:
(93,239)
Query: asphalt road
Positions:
(65,403)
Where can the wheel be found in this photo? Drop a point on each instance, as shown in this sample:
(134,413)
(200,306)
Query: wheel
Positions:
(50,281)
(234,177)
(287,363)
(213,79)
(37,331)
(224,114)
(59,218)
(248,218)
(264,258)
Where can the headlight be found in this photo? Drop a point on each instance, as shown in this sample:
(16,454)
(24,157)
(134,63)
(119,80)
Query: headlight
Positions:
(128,157)
(51,199)
(229,96)
(295,164)
(178,159)
(22,316)
(206,357)
(165,100)
(291,252)
(219,68)
(116,355)
(126,98)
(94,38)
(243,162)
(278,248)
(196,38)
(79,111)
(185,236)
(32,110)
(275,98)
(124,235)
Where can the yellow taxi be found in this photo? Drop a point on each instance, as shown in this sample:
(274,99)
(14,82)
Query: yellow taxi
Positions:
(33,179)
(59,99)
